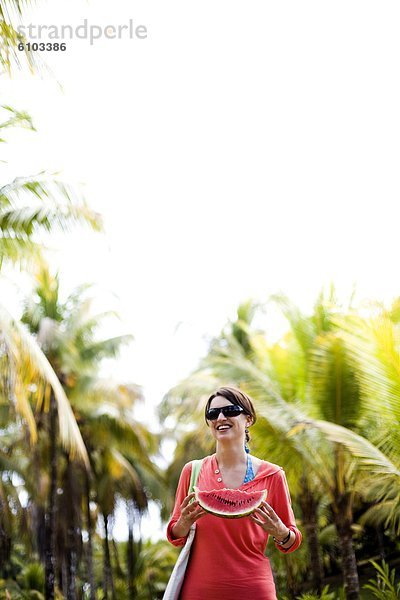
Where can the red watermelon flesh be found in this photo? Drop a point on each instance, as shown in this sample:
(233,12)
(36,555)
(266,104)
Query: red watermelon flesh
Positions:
(230,504)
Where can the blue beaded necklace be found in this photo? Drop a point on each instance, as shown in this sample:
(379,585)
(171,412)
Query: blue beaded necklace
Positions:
(249,472)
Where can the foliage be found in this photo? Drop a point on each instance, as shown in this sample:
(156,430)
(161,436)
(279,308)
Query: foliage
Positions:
(53,355)
(384,587)
(313,389)
(11,58)
(325,595)
(154,565)
(32,577)
(28,207)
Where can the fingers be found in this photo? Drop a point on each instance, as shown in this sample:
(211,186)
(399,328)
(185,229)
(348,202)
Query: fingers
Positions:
(191,511)
(263,513)
(187,500)
(199,514)
(267,510)
(256,520)
(267,518)
(263,516)
(266,525)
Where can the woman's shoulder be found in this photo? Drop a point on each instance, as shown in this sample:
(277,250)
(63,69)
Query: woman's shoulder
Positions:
(265,468)
(206,460)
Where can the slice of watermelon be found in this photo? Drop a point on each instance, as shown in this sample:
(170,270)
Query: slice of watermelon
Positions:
(230,504)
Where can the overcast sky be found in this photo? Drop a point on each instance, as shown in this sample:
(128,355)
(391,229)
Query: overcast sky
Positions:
(241,149)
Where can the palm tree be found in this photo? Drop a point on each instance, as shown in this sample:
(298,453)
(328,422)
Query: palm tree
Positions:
(44,323)
(332,391)
(27,377)
(119,450)
(29,207)
(373,348)
(103,409)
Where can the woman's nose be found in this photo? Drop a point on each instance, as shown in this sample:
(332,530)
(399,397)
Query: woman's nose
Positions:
(221,416)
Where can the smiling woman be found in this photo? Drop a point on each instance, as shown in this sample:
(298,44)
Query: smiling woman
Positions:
(227,559)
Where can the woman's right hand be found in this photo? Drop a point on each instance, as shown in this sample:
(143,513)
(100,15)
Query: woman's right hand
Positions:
(190,512)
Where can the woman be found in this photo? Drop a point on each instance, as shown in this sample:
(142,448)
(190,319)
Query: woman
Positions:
(227,560)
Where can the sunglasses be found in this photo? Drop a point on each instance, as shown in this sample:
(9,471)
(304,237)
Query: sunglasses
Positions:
(232,410)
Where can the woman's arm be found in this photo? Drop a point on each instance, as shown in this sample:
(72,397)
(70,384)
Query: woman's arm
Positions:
(282,505)
(184,513)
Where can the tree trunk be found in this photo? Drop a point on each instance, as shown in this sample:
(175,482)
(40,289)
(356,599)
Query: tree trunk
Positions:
(292,585)
(119,572)
(5,550)
(63,577)
(381,545)
(342,514)
(71,511)
(50,517)
(130,552)
(38,507)
(72,567)
(108,576)
(309,509)
(89,552)
(5,539)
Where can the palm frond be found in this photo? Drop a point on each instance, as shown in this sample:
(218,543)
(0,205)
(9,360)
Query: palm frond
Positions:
(300,324)
(9,7)
(333,383)
(129,438)
(90,393)
(374,345)
(19,250)
(369,458)
(16,118)
(386,513)
(35,366)
(47,205)
(10,56)
(109,348)
(127,468)
(63,213)
(186,400)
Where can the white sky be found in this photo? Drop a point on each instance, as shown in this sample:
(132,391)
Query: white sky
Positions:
(241,149)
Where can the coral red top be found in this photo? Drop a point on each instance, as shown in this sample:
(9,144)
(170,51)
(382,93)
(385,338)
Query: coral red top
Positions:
(227,560)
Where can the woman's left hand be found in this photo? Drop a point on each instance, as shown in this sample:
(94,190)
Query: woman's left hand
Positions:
(266,517)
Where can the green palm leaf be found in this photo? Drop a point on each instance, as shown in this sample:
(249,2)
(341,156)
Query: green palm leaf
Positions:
(369,457)
(29,206)
(10,56)
(16,118)
(374,345)
(35,367)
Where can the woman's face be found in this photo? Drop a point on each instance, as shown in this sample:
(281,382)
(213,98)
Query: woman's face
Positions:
(228,428)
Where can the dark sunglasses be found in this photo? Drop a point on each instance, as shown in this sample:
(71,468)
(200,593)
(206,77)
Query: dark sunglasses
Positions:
(231,410)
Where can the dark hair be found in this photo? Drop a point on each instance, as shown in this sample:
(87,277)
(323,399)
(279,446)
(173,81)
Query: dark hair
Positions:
(234,396)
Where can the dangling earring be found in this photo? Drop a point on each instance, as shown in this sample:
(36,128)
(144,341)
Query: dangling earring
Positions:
(246,448)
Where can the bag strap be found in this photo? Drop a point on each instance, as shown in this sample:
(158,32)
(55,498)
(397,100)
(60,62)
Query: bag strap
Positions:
(196,466)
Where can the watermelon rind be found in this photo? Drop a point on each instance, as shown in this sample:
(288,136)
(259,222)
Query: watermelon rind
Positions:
(230,503)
